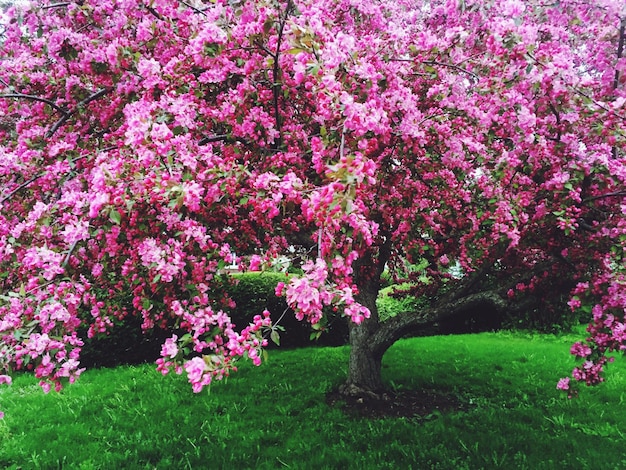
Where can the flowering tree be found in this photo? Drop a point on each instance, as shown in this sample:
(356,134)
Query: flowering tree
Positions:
(144,143)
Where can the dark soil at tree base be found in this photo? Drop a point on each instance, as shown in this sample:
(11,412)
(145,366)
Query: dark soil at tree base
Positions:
(420,404)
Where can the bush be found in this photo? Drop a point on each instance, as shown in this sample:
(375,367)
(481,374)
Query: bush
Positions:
(390,305)
(125,344)
(255,292)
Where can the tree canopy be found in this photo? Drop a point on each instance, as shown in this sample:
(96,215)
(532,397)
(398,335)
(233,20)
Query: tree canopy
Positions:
(145,145)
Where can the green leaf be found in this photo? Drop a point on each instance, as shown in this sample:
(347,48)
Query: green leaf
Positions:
(267,26)
(115,217)
(275,337)
(315,335)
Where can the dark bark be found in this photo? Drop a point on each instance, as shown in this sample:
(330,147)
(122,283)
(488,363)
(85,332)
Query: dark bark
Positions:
(364,367)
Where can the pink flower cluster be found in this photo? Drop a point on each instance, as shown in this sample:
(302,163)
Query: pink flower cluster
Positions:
(308,295)
(212,335)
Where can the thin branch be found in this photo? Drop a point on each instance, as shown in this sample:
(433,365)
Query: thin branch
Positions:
(69,254)
(213,138)
(620,51)
(452,66)
(21,186)
(153,12)
(93,97)
(55,5)
(276,86)
(558,120)
(35,178)
(602,196)
(35,98)
(197,10)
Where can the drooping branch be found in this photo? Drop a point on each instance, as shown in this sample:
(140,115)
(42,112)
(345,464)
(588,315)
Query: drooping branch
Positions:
(474,291)
(24,96)
(394,328)
(65,114)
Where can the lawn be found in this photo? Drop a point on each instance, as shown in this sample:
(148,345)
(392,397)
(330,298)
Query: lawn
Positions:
(276,416)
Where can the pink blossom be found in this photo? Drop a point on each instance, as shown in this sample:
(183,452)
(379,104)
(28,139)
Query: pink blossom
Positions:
(196,369)
(169,348)
(255,263)
(563,384)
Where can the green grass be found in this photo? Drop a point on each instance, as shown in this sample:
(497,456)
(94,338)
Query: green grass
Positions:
(275,416)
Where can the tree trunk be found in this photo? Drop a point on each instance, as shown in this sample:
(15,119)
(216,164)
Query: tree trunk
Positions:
(364,368)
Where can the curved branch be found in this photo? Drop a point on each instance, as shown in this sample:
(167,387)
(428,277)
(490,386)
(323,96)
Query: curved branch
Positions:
(65,114)
(33,179)
(36,98)
(394,328)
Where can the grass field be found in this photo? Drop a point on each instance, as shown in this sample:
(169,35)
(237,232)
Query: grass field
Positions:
(276,416)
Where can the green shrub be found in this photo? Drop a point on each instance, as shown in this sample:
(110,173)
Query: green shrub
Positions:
(255,292)
(390,305)
(125,344)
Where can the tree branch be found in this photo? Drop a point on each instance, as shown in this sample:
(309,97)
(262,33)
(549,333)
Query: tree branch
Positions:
(602,196)
(394,328)
(67,115)
(276,86)
(36,98)
(197,10)
(55,5)
(620,50)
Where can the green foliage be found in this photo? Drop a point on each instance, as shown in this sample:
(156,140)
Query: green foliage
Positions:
(127,343)
(549,318)
(276,415)
(390,305)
